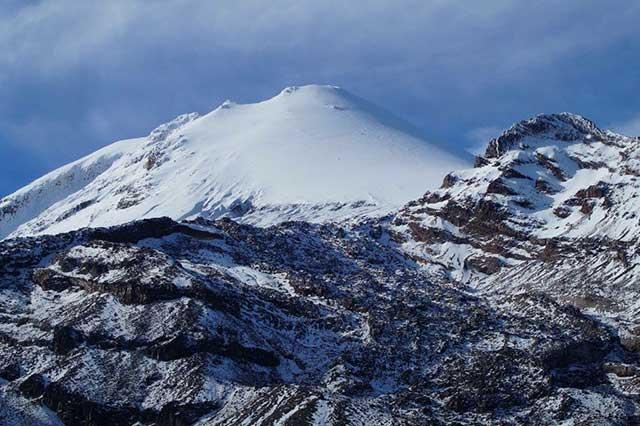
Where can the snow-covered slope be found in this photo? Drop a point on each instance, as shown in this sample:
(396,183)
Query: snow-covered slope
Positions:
(314,153)
(551,208)
(546,181)
(216,323)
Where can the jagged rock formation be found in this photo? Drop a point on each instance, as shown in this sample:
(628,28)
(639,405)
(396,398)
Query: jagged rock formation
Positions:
(508,296)
(546,182)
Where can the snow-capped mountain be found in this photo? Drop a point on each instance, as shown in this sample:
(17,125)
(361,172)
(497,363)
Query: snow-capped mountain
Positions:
(551,207)
(313,153)
(548,179)
(508,296)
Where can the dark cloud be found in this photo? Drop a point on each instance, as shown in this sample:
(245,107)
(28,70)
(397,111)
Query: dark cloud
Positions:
(76,75)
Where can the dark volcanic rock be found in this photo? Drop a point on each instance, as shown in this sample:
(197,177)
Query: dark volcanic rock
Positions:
(66,339)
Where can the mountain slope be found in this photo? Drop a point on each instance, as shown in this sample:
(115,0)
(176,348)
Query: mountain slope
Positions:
(552,208)
(546,180)
(508,296)
(217,323)
(315,153)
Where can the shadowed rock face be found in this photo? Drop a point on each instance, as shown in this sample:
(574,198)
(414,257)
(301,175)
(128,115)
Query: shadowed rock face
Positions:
(164,323)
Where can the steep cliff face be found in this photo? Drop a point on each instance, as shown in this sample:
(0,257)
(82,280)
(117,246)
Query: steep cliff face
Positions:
(550,208)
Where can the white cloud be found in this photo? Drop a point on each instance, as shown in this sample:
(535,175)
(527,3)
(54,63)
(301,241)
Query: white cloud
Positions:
(77,74)
(499,34)
(630,127)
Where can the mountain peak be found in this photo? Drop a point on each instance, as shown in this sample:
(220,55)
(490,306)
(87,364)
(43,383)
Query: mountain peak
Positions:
(311,89)
(562,126)
(314,153)
(164,130)
(316,94)
(554,176)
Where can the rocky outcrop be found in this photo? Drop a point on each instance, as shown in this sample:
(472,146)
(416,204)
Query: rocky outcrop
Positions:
(564,127)
(552,175)
(161,325)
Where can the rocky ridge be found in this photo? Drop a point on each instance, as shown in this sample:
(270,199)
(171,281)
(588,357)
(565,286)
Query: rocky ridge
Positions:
(508,296)
(544,183)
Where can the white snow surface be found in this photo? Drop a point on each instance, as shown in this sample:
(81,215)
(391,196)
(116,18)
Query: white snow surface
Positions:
(315,153)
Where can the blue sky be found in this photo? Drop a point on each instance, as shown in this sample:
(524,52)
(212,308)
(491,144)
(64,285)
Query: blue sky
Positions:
(76,75)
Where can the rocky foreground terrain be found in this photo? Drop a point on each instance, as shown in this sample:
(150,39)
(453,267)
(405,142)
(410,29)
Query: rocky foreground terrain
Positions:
(508,296)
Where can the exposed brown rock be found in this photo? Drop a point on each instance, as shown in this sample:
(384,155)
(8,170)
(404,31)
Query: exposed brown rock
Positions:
(432,197)
(449,180)
(550,165)
(562,212)
(620,370)
(551,251)
(544,186)
(598,190)
(587,207)
(511,173)
(499,187)
(485,264)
